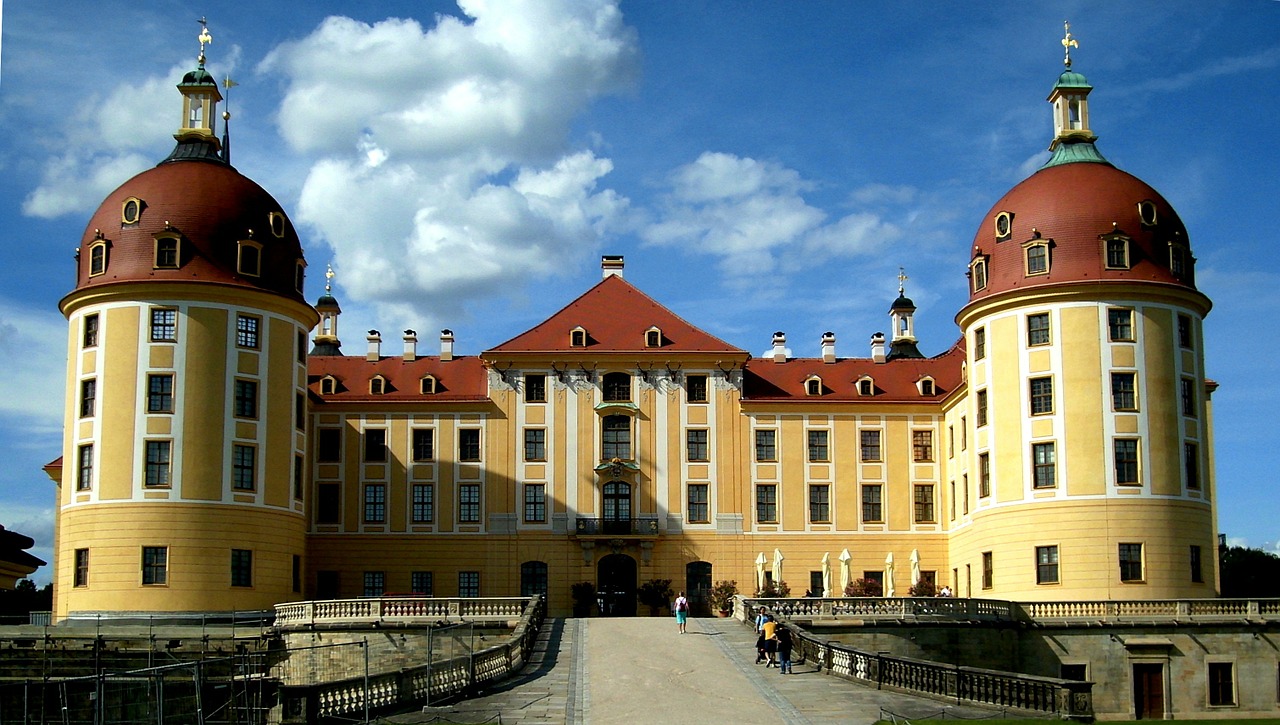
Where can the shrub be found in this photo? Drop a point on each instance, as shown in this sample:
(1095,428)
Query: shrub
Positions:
(923,589)
(722,594)
(864,588)
(655,593)
(774,589)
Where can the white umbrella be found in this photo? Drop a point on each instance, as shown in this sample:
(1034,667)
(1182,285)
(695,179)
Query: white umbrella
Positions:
(777,567)
(888,575)
(844,570)
(826,574)
(760,562)
(915,567)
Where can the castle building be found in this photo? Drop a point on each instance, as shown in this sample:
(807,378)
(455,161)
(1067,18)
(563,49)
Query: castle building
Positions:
(1060,449)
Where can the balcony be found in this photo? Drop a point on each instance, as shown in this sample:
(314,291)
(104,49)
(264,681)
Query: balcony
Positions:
(617,528)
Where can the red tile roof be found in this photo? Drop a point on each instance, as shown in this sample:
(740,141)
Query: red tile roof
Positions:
(895,381)
(462,379)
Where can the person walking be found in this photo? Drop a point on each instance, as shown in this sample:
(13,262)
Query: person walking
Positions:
(682,612)
(785,644)
(770,634)
(761,618)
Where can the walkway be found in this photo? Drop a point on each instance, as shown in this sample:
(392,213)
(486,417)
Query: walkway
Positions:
(615,671)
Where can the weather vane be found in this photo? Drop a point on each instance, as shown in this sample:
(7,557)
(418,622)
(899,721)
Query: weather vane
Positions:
(902,277)
(204,37)
(1068,42)
(328,278)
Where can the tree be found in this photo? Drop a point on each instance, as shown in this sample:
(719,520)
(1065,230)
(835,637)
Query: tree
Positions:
(1249,573)
(26,598)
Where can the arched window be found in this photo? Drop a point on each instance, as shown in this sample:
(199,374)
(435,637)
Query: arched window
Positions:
(533,578)
(616,437)
(617,387)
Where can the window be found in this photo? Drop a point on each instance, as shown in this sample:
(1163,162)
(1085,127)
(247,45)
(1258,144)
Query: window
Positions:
(696,444)
(696,388)
(1147,213)
(698,511)
(980,343)
(813,386)
(535,503)
(984,475)
(535,388)
(423,508)
(328,385)
(921,445)
(426,385)
(1046,565)
(965,485)
(988,570)
(88,397)
(766,445)
(1222,684)
(84,468)
(469,503)
(375,503)
(1187,388)
(131,210)
(328,503)
(870,446)
(817,446)
(157,473)
(981,405)
(1044,465)
(241,568)
(300,411)
(164,325)
(951,441)
(89,338)
(978,273)
(1041,395)
(276,220)
(653,338)
(97,259)
(469,444)
(299,275)
(1197,575)
(533,579)
(767,503)
(1120,325)
(328,445)
(1038,329)
(617,387)
(1130,562)
(1184,332)
(616,437)
(866,387)
(375,445)
(924,504)
(424,444)
(300,347)
(964,434)
(1126,460)
(243,467)
(82,568)
(375,583)
(819,503)
(468,583)
(926,387)
(155,565)
(421,582)
(1117,253)
(1037,259)
(166,253)
(578,338)
(299,473)
(872,509)
(1124,391)
(1177,259)
(535,444)
(378,385)
(160,393)
(327,584)
(250,261)
(246,399)
(951,501)
(1191,462)
(1004,225)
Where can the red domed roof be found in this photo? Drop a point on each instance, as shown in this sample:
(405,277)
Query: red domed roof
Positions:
(212,207)
(1076,207)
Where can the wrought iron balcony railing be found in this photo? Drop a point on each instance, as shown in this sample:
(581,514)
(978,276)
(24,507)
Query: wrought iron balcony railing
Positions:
(617,527)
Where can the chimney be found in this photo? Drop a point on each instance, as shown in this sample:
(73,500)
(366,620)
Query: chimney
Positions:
(779,347)
(410,346)
(446,345)
(375,346)
(828,347)
(877,347)
(611,264)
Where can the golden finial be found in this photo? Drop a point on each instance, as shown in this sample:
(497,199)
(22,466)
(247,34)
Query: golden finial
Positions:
(902,277)
(204,37)
(328,278)
(1068,42)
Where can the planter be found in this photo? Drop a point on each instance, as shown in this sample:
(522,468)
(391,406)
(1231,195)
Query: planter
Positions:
(724,613)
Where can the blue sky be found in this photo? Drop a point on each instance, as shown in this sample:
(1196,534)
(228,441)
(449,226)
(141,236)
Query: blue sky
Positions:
(762,165)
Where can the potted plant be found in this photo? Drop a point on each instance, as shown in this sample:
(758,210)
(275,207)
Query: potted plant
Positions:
(721,596)
(774,590)
(864,588)
(923,588)
(656,593)
(584,597)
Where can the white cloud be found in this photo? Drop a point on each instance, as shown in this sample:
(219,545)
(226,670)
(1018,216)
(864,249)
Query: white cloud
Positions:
(34,368)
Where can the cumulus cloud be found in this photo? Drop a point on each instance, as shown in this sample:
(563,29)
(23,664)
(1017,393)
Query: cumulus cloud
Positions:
(453,144)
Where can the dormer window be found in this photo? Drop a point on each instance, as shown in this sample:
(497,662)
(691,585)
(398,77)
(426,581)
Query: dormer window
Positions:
(167,252)
(813,385)
(328,385)
(978,272)
(1147,213)
(276,221)
(249,258)
(377,385)
(1117,251)
(578,337)
(131,211)
(427,385)
(926,386)
(866,387)
(653,337)
(98,257)
(1037,256)
(299,275)
(1003,225)
(1177,259)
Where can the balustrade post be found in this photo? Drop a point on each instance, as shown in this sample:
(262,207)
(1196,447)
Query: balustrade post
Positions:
(1254,609)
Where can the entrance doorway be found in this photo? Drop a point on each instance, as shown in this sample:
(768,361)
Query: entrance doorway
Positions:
(616,585)
(617,507)
(1148,691)
(697,586)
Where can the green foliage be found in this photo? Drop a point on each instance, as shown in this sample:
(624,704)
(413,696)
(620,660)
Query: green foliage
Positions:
(655,592)
(864,588)
(774,590)
(923,588)
(1248,573)
(583,591)
(722,595)
(26,598)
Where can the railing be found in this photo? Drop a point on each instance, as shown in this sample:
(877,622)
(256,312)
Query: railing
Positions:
(894,608)
(1158,611)
(397,610)
(617,527)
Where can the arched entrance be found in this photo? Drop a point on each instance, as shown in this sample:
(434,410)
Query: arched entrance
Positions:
(697,586)
(616,585)
(617,507)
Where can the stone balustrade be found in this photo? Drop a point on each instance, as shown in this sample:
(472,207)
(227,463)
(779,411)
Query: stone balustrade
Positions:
(397,610)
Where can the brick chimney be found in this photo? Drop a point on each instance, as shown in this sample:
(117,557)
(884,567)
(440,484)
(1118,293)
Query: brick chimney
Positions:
(446,345)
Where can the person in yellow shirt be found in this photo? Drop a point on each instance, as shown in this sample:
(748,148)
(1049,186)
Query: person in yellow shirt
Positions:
(770,632)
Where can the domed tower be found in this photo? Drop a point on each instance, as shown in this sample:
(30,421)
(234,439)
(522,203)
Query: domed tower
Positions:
(186,378)
(1086,385)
